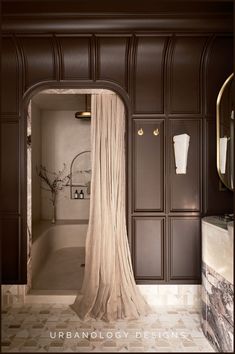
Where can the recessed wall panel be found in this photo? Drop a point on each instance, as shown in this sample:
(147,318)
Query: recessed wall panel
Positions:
(148,173)
(76,57)
(185,74)
(184,248)
(10,77)
(10,243)
(149,248)
(112,59)
(39,59)
(185,191)
(149,74)
(9,167)
(218,67)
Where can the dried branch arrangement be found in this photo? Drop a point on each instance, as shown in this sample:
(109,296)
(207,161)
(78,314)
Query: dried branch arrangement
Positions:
(53,181)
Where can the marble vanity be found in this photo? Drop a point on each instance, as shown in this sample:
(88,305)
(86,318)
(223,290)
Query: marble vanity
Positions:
(217,282)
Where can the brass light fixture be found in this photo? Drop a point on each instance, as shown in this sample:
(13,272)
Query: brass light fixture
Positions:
(86,113)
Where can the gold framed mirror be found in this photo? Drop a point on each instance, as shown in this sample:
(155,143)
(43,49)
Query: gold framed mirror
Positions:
(225,133)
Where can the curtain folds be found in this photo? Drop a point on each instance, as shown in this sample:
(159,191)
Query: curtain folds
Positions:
(109,291)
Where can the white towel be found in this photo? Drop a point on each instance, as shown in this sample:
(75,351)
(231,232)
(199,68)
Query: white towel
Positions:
(181,146)
(223,154)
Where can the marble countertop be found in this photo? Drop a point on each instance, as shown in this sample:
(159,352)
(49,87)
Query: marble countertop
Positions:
(217,246)
(217,221)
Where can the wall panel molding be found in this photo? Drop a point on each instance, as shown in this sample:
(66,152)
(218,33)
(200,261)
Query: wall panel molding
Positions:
(9,118)
(149,74)
(10,173)
(14,265)
(76,63)
(219,56)
(40,60)
(148,165)
(184,249)
(149,248)
(114,23)
(58,58)
(185,72)
(10,77)
(112,55)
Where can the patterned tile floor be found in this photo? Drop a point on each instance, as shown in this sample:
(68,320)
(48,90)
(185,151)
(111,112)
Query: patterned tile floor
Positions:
(56,328)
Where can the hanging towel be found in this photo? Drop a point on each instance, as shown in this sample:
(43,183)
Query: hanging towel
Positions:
(223,154)
(181,145)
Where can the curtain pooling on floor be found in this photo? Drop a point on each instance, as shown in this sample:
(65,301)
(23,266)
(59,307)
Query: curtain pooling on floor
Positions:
(109,291)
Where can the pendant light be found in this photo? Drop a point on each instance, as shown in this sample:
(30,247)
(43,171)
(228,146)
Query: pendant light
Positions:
(86,113)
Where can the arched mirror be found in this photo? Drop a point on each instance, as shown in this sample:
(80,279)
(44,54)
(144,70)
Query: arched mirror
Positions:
(225,133)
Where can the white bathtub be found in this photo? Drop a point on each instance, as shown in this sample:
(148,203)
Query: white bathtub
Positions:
(48,238)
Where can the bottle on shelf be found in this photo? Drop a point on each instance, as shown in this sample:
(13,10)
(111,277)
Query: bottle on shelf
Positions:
(76,194)
(81,194)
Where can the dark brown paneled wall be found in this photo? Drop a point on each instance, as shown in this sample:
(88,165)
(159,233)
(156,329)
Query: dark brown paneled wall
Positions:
(169,82)
(72,48)
(185,73)
(148,84)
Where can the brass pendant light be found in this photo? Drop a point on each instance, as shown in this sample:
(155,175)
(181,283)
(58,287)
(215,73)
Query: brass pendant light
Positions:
(86,114)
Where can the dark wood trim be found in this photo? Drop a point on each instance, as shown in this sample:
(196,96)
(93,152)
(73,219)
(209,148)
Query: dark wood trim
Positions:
(9,118)
(102,24)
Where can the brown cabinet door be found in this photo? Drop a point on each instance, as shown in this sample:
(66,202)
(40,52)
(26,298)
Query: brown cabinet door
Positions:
(148,176)
(184,249)
(148,247)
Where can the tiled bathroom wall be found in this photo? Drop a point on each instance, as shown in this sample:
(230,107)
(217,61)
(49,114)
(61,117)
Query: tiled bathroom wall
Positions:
(63,137)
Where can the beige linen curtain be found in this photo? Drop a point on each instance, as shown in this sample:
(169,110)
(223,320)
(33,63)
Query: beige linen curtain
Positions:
(109,291)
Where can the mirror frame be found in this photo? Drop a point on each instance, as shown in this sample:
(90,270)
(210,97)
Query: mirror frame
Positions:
(218,128)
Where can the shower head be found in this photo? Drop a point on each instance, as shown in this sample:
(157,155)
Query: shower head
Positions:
(86,113)
(83,115)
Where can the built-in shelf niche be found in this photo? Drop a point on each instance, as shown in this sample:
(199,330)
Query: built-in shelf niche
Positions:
(80,174)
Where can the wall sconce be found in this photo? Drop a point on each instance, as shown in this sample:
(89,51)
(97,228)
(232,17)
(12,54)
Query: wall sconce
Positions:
(223,154)
(181,145)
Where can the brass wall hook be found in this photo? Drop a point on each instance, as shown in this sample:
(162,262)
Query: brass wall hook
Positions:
(156,132)
(140,131)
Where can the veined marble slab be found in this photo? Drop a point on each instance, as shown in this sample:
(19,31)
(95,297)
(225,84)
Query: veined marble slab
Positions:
(217,249)
(217,309)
